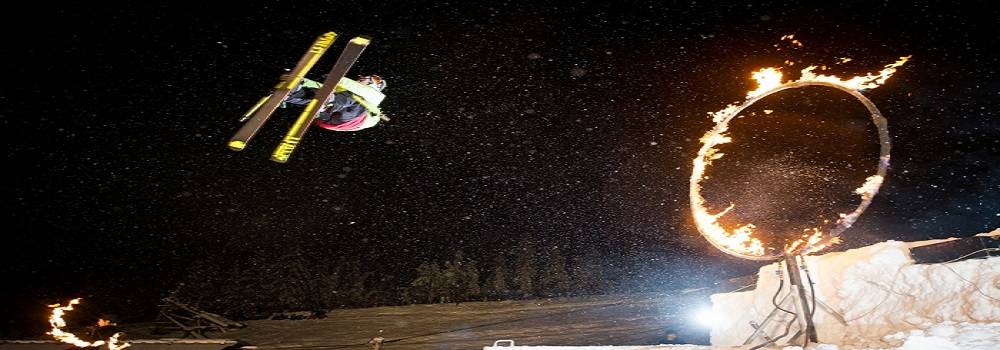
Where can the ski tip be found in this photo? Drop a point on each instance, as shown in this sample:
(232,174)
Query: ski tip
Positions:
(361,40)
(279,160)
(237,145)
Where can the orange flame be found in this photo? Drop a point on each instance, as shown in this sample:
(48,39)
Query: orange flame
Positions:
(740,241)
(806,240)
(767,79)
(57,322)
(114,344)
(868,81)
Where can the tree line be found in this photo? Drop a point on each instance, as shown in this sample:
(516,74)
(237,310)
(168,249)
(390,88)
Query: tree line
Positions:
(257,284)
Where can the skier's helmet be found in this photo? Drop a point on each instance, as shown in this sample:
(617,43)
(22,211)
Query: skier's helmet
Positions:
(374,81)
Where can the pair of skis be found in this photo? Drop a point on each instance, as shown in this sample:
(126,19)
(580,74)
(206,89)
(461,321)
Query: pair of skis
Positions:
(262,111)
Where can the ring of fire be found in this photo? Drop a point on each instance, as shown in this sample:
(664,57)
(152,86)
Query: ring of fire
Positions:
(739,242)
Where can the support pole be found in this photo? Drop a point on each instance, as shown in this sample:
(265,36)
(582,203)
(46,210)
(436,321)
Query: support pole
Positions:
(795,279)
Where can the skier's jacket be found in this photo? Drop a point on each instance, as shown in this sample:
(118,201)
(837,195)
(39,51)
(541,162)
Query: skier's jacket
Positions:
(367,97)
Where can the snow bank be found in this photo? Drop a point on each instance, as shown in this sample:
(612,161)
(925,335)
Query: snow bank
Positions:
(871,298)
(634,347)
(878,291)
(943,336)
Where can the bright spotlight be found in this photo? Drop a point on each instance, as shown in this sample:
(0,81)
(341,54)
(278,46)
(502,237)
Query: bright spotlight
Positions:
(705,317)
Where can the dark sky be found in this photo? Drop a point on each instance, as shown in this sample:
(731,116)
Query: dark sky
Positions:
(564,126)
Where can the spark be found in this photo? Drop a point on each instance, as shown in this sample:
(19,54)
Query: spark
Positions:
(791,39)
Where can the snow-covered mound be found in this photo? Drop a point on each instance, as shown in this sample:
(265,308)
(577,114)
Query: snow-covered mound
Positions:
(609,347)
(884,298)
(945,336)
(874,297)
(949,336)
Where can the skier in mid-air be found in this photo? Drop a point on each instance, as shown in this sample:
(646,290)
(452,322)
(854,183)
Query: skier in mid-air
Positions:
(338,103)
(343,111)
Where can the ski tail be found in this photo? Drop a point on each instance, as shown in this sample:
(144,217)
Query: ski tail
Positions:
(298,130)
(264,108)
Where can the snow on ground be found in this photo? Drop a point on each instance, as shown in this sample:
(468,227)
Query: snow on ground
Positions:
(877,290)
(883,299)
(948,335)
(598,320)
(646,347)
(642,347)
(943,336)
(888,302)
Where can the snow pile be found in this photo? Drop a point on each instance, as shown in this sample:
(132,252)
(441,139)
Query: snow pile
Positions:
(871,298)
(868,293)
(631,347)
(944,336)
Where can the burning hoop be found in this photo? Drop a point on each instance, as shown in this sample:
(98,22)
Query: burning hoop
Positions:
(740,242)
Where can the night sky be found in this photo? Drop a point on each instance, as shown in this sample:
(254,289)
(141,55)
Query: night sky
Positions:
(563,126)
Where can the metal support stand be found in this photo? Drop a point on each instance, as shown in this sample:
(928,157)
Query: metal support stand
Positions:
(805,312)
(800,304)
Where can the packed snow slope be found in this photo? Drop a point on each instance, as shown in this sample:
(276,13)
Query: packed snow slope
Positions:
(872,297)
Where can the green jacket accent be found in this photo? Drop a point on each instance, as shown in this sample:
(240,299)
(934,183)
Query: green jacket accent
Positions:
(309,83)
(367,96)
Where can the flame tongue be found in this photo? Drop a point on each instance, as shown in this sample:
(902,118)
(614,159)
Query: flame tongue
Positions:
(767,79)
(868,81)
(113,343)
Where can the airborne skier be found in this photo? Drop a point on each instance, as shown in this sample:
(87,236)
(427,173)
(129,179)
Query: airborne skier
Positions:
(344,110)
(338,103)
